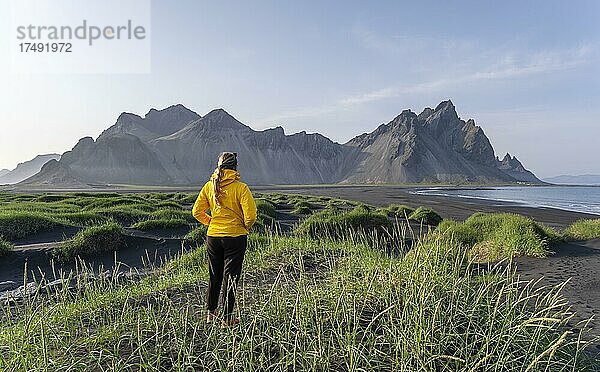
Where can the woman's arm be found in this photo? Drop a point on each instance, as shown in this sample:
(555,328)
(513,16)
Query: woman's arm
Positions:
(200,207)
(248,207)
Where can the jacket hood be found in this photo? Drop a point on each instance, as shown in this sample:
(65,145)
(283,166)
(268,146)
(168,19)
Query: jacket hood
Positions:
(229,176)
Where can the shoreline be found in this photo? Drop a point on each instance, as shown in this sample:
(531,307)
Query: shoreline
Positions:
(519,203)
(448,206)
(452,207)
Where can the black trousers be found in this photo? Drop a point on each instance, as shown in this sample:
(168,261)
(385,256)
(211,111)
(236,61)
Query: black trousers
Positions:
(225,258)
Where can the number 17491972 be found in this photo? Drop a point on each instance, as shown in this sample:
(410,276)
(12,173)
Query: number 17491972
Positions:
(45,47)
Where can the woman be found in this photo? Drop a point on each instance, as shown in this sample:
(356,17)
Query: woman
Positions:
(233,212)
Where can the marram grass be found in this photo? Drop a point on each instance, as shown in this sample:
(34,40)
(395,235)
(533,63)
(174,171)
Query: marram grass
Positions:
(584,230)
(305,305)
(496,236)
(5,246)
(91,240)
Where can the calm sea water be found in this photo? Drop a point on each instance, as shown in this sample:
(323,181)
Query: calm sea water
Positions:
(573,198)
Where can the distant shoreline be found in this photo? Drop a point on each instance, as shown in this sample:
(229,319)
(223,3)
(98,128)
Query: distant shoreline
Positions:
(583,206)
(451,207)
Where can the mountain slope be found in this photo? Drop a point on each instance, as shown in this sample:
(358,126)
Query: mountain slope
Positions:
(54,173)
(26,169)
(115,158)
(434,146)
(267,156)
(513,167)
(175,146)
(154,124)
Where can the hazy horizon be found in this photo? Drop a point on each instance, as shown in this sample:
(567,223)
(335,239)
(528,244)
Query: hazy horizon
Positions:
(341,69)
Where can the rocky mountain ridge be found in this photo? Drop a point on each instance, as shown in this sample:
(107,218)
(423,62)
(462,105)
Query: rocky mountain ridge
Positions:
(176,146)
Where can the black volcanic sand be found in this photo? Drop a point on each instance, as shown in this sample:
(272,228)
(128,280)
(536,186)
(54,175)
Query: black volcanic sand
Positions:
(577,262)
(143,250)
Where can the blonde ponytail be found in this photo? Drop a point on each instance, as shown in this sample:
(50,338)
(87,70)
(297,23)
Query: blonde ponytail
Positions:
(227,160)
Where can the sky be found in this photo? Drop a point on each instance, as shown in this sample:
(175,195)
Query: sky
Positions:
(527,72)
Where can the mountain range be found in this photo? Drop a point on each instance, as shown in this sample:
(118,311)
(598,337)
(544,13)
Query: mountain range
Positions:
(581,179)
(176,146)
(26,169)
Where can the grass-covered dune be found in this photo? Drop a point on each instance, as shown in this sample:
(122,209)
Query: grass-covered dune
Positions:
(17,224)
(337,223)
(305,305)
(91,240)
(494,236)
(584,230)
(23,215)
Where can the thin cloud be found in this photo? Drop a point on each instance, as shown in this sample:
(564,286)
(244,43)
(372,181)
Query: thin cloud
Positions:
(509,67)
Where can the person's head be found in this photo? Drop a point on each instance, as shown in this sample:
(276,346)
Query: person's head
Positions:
(227,160)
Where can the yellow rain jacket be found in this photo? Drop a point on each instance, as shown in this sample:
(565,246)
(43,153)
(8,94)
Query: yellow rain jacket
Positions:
(237,212)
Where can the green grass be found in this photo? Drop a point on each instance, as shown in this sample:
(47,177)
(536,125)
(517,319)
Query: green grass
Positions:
(265,207)
(425,216)
(495,236)
(196,236)
(583,230)
(302,210)
(172,223)
(306,204)
(326,298)
(187,198)
(81,218)
(173,214)
(125,215)
(304,305)
(17,225)
(5,246)
(397,211)
(91,240)
(329,222)
(169,204)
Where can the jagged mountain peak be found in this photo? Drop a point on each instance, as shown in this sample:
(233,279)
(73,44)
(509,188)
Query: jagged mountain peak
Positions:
(446,105)
(511,161)
(219,114)
(445,111)
(156,123)
(427,111)
(129,116)
(406,117)
(177,109)
(221,119)
(433,146)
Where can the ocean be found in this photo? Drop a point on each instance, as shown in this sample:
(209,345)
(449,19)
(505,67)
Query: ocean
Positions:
(573,198)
